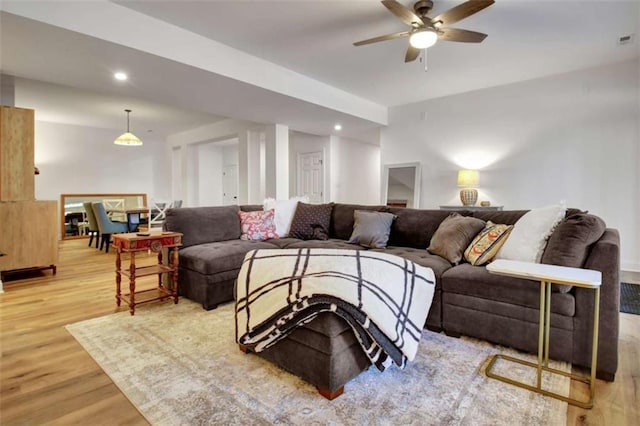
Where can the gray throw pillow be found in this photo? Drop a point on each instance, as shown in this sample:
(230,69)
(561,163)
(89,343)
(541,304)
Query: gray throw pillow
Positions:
(454,235)
(371,229)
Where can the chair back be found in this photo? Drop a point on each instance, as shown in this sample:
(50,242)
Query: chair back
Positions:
(91,217)
(115,204)
(105,225)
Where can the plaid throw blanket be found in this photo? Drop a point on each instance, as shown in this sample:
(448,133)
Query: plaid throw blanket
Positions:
(384,298)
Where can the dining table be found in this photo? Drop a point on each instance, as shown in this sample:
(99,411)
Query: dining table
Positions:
(133,214)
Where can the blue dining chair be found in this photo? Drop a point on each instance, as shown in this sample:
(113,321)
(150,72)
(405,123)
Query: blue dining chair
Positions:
(93,223)
(106,226)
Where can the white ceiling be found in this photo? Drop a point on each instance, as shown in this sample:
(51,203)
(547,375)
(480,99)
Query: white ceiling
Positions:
(527,39)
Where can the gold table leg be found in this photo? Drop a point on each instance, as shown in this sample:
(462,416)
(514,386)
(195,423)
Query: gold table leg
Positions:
(543,354)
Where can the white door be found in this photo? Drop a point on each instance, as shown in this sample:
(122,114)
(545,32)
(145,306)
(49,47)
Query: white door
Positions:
(311,176)
(229,185)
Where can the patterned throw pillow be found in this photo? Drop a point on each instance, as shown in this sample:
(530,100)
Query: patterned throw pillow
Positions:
(257,225)
(311,221)
(486,244)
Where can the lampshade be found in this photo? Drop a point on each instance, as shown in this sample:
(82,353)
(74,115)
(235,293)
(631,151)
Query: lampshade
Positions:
(128,138)
(423,39)
(468,178)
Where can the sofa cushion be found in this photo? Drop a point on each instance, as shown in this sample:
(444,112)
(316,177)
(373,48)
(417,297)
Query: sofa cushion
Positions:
(284,242)
(422,258)
(201,225)
(218,257)
(311,221)
(251,207)
(257,225)
(415,227)
(331,243)
(342,219)
(476,281)
(569,244)
(371,229)
(530,234)
(508,217)
(453,236)
(486,244)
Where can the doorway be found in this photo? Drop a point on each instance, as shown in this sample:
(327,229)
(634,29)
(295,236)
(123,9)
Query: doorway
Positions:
(310,178)
(230,185)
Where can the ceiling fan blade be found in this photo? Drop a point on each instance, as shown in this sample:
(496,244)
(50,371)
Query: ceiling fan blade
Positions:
(460,12)
(406,15)
(383,38)
(466,36)
(412,54)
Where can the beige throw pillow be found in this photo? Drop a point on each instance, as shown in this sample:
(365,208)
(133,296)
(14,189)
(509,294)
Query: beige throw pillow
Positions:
(454,235)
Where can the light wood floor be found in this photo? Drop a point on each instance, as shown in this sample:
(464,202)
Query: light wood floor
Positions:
(46,376)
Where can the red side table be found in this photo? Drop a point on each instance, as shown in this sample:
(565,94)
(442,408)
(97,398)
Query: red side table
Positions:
(132,243)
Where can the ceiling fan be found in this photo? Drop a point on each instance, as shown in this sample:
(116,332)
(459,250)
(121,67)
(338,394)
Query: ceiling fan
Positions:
(425,31)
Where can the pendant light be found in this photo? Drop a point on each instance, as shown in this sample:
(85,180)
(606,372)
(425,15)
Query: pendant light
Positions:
(128,138)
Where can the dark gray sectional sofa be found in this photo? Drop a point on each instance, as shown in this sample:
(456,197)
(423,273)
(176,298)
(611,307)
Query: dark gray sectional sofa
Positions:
(468,301)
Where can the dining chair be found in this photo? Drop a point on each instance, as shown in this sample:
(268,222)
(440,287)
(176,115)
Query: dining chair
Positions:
(115,203)
(106,225)
(93,223)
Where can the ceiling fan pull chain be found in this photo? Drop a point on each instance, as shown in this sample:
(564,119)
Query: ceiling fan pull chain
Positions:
(424,56)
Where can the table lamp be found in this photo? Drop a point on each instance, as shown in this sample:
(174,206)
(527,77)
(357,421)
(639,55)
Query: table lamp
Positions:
(468,180)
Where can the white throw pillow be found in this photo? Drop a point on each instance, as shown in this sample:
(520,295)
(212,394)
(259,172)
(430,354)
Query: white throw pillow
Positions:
(530,234)
(284,210)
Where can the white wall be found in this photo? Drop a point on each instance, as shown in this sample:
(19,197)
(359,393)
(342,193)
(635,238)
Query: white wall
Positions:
(77,159)
(230,155)
(355,171)
(573,136)
(210,161)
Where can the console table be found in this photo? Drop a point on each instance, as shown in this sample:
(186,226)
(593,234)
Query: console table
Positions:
(156,242)
(548,274)
(472,208)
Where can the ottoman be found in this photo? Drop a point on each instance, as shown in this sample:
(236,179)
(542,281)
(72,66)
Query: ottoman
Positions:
(323,352)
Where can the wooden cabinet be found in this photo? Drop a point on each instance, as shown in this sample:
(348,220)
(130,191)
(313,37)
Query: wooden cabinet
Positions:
(28,228)
(17,181)
(28,234)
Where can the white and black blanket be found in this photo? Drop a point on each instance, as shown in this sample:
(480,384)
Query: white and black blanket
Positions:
(384,298)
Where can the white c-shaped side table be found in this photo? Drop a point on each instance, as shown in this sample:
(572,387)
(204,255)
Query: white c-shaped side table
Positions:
(548,274)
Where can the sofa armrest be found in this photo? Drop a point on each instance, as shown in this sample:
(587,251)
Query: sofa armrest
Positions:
(604,257)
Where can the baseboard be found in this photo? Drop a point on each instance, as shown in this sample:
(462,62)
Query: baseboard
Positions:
(630,266)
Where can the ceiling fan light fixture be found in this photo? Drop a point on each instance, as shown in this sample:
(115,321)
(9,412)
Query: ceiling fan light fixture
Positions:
(423,39)
(128,138)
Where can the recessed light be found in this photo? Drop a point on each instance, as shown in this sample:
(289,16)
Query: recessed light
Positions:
(337,127)
(120,76)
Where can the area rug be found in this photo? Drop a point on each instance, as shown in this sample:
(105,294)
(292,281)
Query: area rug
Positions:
(630,298)
(179,365)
